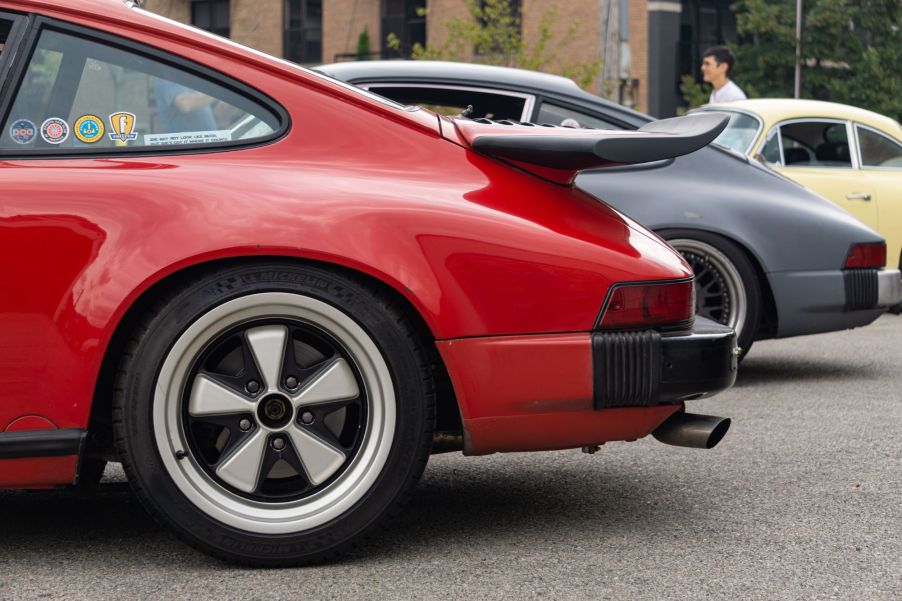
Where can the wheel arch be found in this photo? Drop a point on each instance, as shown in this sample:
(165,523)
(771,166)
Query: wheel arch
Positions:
(770,316)
(100,438)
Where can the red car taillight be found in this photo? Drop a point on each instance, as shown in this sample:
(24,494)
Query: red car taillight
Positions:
(866,255)
(647,305)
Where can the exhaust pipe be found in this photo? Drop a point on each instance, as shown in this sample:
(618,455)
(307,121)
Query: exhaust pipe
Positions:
(692,430)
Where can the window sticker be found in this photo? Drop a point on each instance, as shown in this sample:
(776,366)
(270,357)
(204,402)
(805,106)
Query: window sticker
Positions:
(123,126)
(89,129)
(189,137)
(22,131)
(55,130)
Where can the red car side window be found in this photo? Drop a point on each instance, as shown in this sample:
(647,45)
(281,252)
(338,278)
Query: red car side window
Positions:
(80,94)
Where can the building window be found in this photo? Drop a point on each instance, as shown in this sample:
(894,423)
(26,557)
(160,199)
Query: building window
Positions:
(304,31)
(212,15)
(406,19)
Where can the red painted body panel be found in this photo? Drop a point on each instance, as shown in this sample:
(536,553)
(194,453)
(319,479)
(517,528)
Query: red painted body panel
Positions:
(29,423)
(38,472)
(478,248)
(516,375)
(531,393)
(563,430)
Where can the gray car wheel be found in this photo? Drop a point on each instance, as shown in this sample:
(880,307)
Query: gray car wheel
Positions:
(726,285)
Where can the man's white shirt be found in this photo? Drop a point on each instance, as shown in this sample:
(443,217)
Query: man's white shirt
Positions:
(728,93)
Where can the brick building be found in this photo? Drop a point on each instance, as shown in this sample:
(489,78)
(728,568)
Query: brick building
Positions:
(643,45)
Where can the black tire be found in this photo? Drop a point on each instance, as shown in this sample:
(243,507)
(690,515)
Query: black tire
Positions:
(725,275)
(232,515)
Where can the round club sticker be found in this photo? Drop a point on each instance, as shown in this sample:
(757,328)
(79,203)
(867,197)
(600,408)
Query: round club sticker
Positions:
(22,131)
(88,129)
(54,131)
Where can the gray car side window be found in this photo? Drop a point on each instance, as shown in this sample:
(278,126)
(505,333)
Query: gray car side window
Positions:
(553,114)
(453,100)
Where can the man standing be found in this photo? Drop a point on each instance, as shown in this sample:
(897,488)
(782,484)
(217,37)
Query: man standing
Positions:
(717,63)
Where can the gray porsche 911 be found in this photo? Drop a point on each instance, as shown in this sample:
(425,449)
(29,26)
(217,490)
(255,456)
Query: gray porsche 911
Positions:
(771,258)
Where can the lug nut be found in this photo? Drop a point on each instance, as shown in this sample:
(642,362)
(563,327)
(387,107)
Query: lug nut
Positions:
(252,387)
(307,418)
(278,444)
(291,382)
(245,425)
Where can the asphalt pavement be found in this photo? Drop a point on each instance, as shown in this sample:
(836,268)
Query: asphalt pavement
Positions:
(802,500)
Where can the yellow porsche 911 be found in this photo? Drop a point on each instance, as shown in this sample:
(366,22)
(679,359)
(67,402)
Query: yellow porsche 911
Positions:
(849,155)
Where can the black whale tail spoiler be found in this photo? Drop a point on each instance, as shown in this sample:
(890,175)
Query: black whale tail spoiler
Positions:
(559,153)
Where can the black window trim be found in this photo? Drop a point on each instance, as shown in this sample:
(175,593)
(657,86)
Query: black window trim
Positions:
(14,43)
(23,58)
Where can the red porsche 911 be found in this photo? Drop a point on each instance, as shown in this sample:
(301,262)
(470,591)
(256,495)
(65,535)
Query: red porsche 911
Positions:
(271,295)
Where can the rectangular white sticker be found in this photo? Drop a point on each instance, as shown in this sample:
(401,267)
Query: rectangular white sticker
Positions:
(188,137)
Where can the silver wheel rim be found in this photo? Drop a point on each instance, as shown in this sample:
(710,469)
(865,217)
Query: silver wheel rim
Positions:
(719,292)
(233,508)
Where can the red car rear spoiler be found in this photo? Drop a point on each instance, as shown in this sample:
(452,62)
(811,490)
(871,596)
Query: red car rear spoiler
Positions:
(559,153)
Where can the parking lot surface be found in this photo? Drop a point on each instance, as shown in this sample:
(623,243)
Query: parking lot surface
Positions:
(802,500)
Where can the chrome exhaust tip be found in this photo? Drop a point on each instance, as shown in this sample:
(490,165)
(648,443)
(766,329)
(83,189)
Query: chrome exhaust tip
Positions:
(692,430)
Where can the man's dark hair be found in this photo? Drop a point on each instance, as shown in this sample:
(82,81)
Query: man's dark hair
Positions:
(721,54)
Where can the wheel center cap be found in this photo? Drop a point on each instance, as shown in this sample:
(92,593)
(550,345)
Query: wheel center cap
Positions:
(274,411)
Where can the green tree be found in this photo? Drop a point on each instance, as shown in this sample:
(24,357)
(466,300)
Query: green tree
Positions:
(492,34)
(694,93)
(851,51)
(363,45)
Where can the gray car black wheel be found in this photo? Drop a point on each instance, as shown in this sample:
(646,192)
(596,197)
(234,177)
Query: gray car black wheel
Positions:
(274,414)
(726,284)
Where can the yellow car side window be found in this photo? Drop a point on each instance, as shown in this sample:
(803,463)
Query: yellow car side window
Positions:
(878,150)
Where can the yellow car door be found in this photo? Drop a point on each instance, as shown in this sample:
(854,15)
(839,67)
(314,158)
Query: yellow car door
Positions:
(880,157)
(817,153)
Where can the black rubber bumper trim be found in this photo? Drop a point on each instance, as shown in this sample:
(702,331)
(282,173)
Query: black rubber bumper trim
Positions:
(862,288)
(645,369)
(41,443)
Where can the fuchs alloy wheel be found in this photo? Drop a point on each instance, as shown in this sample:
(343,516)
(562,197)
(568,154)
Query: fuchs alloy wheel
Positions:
(726,284)
(274,414)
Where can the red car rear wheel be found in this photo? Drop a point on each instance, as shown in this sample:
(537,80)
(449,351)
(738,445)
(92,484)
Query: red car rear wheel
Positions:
(274,414)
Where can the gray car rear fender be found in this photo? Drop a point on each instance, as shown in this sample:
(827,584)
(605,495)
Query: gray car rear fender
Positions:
(784,226)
